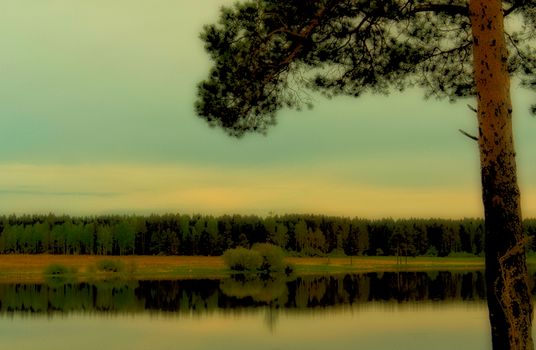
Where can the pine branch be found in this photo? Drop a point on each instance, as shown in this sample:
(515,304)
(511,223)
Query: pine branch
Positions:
(441,8)
(465,133)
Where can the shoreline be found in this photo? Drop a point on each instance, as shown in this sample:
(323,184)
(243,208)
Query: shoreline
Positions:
(30,268)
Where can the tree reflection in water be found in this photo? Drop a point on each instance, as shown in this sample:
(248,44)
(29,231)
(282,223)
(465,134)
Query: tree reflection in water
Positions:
(240,293)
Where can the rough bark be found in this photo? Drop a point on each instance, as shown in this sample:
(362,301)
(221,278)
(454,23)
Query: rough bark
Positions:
(509,300)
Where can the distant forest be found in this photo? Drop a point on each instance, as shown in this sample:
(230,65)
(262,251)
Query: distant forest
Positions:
(300,235)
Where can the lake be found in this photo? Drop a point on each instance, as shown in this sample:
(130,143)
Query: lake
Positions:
(411,310)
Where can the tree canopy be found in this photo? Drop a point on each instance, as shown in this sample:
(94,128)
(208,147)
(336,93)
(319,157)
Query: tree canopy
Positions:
(266,54)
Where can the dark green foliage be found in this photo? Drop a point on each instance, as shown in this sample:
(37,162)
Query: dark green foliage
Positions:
(432,251)
(124,237)
(304,235)
(243,259)
(273,257)
(165,243)
(351,247)
(262,257)
(265,53)
(243,241)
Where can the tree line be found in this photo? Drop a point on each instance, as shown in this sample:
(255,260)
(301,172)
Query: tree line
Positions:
(180,234)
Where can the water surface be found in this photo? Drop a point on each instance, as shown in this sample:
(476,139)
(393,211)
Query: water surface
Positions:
(440,310)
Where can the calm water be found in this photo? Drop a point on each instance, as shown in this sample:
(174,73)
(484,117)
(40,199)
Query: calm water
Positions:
(371,311)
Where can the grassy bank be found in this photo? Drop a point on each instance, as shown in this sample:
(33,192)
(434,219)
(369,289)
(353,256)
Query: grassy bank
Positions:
(31,267)
(387,263)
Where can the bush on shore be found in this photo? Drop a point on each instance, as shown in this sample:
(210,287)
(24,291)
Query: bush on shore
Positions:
(273,257)
(58,270)
(242,259)
(262,257)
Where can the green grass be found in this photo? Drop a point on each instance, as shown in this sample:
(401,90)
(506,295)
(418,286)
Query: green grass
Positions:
(384,263)
(37,268)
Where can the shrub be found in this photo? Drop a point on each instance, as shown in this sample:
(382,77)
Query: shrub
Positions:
(242,259)
(432,251)
(110,266)
(273,257)
(58,270)
(262,257)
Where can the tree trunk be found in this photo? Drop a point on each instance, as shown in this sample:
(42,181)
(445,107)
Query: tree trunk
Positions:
(508,295)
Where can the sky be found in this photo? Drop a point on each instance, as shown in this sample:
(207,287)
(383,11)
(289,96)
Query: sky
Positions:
(96,117)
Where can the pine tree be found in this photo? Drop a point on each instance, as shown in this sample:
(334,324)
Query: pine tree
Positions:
(264,52)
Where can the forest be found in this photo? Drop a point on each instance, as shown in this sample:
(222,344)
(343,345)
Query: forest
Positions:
(299,235)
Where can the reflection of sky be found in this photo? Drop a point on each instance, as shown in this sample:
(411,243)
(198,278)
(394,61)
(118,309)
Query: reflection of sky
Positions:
(96,115)
(450,326)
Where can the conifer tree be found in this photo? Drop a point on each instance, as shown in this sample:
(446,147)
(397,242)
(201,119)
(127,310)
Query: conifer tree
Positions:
(266,51)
